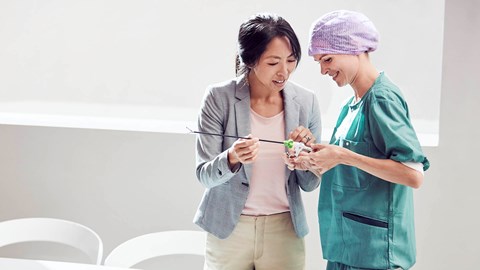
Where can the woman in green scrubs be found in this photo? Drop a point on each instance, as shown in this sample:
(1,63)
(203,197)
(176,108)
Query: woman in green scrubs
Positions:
(374,158)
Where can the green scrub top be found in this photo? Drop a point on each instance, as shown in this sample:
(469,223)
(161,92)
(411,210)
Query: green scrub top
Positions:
(367,222)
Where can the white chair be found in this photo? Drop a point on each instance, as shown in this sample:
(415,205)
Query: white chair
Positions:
(52,230)
(152,245)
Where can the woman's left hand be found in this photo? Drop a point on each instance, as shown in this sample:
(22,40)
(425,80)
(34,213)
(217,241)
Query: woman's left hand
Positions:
(293,163)
(322,158)
(302,134)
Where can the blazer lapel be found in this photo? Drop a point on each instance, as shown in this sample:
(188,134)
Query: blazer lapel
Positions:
(242,115)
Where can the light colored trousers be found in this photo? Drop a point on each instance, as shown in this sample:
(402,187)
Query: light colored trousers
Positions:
(260,243)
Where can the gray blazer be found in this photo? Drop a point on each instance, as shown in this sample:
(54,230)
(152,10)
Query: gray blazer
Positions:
(226,110)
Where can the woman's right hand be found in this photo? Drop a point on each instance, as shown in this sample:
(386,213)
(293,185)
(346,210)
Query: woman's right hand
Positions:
(302,134)
(322,158)
(293,163)
(243,151)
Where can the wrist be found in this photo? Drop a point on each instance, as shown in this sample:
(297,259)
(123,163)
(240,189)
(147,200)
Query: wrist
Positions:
(232,160)
(346,157)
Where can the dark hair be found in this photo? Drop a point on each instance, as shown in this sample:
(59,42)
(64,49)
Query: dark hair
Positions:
(254,36)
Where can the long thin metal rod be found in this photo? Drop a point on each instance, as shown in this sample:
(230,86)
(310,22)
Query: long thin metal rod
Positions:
(231,136)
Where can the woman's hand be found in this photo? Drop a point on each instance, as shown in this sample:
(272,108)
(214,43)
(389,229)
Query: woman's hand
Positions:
(293,163)
(322,158)
(302,134)
(243,151)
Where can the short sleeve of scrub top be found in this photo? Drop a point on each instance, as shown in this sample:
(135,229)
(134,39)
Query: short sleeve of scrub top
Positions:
(392,131)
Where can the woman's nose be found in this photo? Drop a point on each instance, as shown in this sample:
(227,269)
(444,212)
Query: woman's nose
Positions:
(282,72)
(323,70)
(286,69)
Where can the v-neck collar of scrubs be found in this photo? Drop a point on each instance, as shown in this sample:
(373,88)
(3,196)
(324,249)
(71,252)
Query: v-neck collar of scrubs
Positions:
(355,105)
(347,121)
(349,115)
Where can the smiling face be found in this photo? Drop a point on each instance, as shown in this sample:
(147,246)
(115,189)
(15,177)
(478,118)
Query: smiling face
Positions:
(342,68)
(274,66)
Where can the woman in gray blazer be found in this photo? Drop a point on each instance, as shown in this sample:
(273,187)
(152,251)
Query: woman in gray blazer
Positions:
(252,206)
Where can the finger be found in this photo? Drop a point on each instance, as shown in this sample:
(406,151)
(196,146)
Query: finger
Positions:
(248,142)
(303,160)
(291,167)
(307,139)
(249,160)
(310,139)
(317,147)
(303,153)
(251,153)
(314,164)
(246,149)
(248,136)
(302,136)
(286,158)
(297,134)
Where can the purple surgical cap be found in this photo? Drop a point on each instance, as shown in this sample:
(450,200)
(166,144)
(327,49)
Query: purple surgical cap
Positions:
(342,32)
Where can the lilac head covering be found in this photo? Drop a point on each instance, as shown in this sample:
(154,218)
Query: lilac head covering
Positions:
(342,32)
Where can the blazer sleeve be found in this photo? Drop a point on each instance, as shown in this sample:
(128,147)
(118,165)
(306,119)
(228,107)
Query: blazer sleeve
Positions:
(211,158)
(307,180)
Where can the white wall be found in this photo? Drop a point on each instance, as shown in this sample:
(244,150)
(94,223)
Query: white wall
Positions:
(130,58)
(447,205)
(123,184)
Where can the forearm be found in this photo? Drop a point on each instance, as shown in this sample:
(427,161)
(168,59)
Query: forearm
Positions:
(386,169)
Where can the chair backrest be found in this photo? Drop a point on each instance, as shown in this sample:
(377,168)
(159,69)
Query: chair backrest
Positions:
(52,230)
(148,246)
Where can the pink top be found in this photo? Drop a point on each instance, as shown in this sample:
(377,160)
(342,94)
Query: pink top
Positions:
(268,193)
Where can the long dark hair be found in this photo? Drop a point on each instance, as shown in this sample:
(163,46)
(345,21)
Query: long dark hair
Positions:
(254,36)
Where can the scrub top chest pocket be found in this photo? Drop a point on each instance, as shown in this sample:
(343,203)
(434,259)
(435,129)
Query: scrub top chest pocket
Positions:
(350,177)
